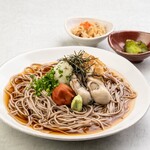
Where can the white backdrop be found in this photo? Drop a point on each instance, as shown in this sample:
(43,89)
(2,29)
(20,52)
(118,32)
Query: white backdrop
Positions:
(34,24)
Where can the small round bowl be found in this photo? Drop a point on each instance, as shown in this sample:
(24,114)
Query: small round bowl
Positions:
(73,22)
(117,40)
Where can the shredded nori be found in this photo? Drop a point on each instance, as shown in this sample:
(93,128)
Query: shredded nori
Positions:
(80,65)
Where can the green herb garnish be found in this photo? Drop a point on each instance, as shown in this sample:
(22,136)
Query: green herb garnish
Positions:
(60,72)
(32,76)
(46,83)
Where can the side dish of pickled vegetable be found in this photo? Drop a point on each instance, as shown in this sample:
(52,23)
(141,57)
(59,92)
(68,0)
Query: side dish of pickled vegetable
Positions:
(135,47)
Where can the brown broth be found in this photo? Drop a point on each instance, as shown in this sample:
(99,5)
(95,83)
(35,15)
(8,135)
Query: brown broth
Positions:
(90,130)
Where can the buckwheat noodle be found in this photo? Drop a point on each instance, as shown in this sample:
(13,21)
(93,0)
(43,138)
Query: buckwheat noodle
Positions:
(42,113)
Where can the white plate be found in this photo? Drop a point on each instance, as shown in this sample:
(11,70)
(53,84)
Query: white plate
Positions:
(131,73)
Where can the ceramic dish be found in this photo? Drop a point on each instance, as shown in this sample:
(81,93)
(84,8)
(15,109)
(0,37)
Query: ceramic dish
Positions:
(114,61)
(117,41)
(73,22)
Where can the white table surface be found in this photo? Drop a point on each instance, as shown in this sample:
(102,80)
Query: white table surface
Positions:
(34,24)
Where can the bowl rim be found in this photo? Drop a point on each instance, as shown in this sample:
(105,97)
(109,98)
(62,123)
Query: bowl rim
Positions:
(90,39)
(122,52)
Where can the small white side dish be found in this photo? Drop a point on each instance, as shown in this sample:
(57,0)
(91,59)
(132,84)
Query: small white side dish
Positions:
(73,22)
(114,61)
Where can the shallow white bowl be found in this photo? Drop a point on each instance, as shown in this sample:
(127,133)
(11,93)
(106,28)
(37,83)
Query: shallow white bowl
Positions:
(73,22)
(128,70)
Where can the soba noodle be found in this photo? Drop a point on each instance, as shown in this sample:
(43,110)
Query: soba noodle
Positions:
(42,113)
